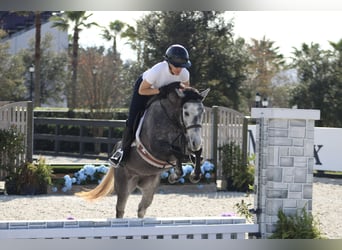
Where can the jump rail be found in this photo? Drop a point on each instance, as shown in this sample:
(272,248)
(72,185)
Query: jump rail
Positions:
(147,228)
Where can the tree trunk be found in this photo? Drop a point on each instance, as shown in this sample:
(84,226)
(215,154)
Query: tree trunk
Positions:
(74,68)
(37,92)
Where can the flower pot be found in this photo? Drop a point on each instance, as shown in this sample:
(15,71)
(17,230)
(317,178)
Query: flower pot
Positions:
(11,187)
(30,189)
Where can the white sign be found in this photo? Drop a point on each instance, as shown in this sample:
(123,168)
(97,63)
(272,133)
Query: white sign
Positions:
(327,148)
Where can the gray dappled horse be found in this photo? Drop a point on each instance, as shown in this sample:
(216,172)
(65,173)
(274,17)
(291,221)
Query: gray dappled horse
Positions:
(170,130)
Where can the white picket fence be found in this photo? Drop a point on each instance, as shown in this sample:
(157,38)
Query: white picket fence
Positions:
(147,228)
(18,115)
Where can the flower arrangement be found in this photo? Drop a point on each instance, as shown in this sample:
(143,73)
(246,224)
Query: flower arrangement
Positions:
(207,170)
(91,174)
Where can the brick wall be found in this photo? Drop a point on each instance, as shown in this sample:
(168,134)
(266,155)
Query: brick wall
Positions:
(284,172)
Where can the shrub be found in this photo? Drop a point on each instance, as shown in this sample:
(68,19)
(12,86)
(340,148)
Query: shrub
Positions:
(11,147)
(239,174)
(299,226)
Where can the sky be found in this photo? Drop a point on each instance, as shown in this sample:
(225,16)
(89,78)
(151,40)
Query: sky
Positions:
(287,29)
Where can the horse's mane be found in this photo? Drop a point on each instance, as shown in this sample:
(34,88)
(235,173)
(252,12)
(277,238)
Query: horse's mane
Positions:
(189,93)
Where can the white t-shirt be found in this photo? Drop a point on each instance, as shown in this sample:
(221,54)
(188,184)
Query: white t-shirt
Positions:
(159,75)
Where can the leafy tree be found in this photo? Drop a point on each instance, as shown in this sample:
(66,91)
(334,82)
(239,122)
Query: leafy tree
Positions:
(102,86)
(265,63)
(78,21)
(52,73)
(130,33)
(11,74)
(319,73)
(37,53)
(114,30)
(217,60)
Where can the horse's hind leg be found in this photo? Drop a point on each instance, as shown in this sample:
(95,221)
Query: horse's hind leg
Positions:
(148,186)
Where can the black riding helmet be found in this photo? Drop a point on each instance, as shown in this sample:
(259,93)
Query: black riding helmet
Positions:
(178,56)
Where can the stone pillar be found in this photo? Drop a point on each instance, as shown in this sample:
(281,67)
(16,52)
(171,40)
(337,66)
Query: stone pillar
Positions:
(284,163)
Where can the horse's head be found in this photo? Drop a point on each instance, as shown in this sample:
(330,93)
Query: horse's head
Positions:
(191,110)
(192,115)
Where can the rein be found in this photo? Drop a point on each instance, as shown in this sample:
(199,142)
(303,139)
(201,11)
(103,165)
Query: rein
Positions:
(179,143)
(179,148)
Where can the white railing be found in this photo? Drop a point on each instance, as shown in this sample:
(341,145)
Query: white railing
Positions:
(147,228)
(20,116)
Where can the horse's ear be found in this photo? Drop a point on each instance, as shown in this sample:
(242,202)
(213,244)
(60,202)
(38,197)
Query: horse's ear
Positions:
(204,93)
(179,93)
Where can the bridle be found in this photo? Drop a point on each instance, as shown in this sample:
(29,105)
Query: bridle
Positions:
(179,144)
(192,126)
(178,122)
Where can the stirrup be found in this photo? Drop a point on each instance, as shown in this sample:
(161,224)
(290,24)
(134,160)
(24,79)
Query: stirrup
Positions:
(116,158)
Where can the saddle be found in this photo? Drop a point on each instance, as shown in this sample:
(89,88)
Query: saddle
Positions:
(145,154)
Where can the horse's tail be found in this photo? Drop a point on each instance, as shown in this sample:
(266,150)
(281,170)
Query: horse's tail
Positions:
(106,187)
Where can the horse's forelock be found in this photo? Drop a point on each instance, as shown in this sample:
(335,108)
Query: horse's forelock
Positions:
(191,95)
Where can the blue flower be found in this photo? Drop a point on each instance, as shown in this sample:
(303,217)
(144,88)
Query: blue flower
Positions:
(67,182)
(164,175)
(187,169)
(102,169)
(89,169)
(181,180)
(207,167)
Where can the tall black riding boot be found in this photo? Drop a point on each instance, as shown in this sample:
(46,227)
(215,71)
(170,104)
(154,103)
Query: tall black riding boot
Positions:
(127,139)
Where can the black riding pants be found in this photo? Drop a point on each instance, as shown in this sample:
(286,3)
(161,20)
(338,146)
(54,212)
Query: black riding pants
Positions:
(138,104)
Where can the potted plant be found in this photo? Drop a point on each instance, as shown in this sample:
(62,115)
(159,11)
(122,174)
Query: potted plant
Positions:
(34,178)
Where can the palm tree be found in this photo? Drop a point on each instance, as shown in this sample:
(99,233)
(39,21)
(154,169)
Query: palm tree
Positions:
(37,56)
(79,21)
(115,28)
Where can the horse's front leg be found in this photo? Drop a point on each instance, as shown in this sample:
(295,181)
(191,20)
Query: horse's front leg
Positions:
(177,173)
(123,188)
(195,176)
(179,169)
(148,186)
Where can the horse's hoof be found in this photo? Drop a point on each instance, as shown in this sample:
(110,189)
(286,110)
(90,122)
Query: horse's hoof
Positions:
(193,178)
(172,179)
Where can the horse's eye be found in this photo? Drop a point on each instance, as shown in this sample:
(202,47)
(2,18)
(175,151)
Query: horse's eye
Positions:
(186,113)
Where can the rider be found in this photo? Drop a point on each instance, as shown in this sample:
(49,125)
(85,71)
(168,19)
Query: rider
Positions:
(172,69)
